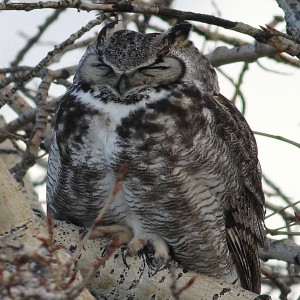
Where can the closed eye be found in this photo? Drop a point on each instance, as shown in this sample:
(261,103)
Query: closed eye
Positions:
(102,68)
(164,70)
(157,67)
(152,69)
(101,65)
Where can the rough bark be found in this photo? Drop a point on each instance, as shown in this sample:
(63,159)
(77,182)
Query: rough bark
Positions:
(115,281)
(291,10)
(28,268)
(284,250)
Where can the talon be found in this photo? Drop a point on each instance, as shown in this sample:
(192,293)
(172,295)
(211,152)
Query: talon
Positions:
(155,264)
(105,250)
(159,262)
(154,250)
(125,254)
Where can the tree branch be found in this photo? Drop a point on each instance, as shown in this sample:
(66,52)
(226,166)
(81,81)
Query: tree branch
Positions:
(291,10)
(284,250)
(246,53)
(31,42)
(57,49)
(21,249)
(280,41)
(277,137)
(277,280)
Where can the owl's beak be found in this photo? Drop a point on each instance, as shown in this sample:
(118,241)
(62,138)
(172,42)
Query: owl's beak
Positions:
(123,84)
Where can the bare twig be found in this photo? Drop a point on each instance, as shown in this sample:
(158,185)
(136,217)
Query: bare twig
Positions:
(239,83)
(231,80)
(274,232)
(281,209)
(31,42)
(275,21)
(275,278)
(17,102)
(40,126)
(280,41)
(271,70)
(277,137)
(279,192)
(57,50)
(81,44)
(289,60)
(26,118)
(117,187)
(215,36)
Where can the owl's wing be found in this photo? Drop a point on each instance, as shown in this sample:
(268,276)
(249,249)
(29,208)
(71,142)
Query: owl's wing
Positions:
(77,182)
(61,196)
(245,211)
(198,175)
(52,173)
(74,188)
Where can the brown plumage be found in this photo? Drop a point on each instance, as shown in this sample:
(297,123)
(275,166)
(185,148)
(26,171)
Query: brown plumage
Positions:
(193,185)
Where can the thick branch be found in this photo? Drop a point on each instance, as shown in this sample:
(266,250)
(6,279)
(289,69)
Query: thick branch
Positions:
(116,281)
(284,250)
(291,10)
(247,53)
(20,248)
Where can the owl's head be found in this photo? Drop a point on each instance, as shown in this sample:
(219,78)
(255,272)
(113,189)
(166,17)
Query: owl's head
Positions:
(126,60)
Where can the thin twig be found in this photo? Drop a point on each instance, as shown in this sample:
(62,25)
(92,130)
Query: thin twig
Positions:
(270,70)
(31,42)
(117,187)
(282,209)
(277,137)
(278,192)
(243,100)
(275,278)
(239,82)
(33,146)
(274,232)
(26,118)
(280,41)
(45,61)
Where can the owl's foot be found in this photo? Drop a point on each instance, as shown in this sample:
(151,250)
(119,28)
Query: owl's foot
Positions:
(155,251)
(120,233)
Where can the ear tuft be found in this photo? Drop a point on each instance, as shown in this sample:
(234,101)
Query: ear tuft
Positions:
(177,35)
(181,30)
(106,31)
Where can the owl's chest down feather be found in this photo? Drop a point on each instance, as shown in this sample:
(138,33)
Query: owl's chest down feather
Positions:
(160,140)
(177,183)
(89,149)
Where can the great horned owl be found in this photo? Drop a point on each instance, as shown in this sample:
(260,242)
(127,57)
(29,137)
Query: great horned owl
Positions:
(192,188)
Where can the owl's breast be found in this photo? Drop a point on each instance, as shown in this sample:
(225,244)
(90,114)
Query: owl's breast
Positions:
(104,125)
(163,116)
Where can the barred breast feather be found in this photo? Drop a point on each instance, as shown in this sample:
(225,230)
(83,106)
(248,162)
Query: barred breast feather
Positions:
(192,188)
(199,188)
